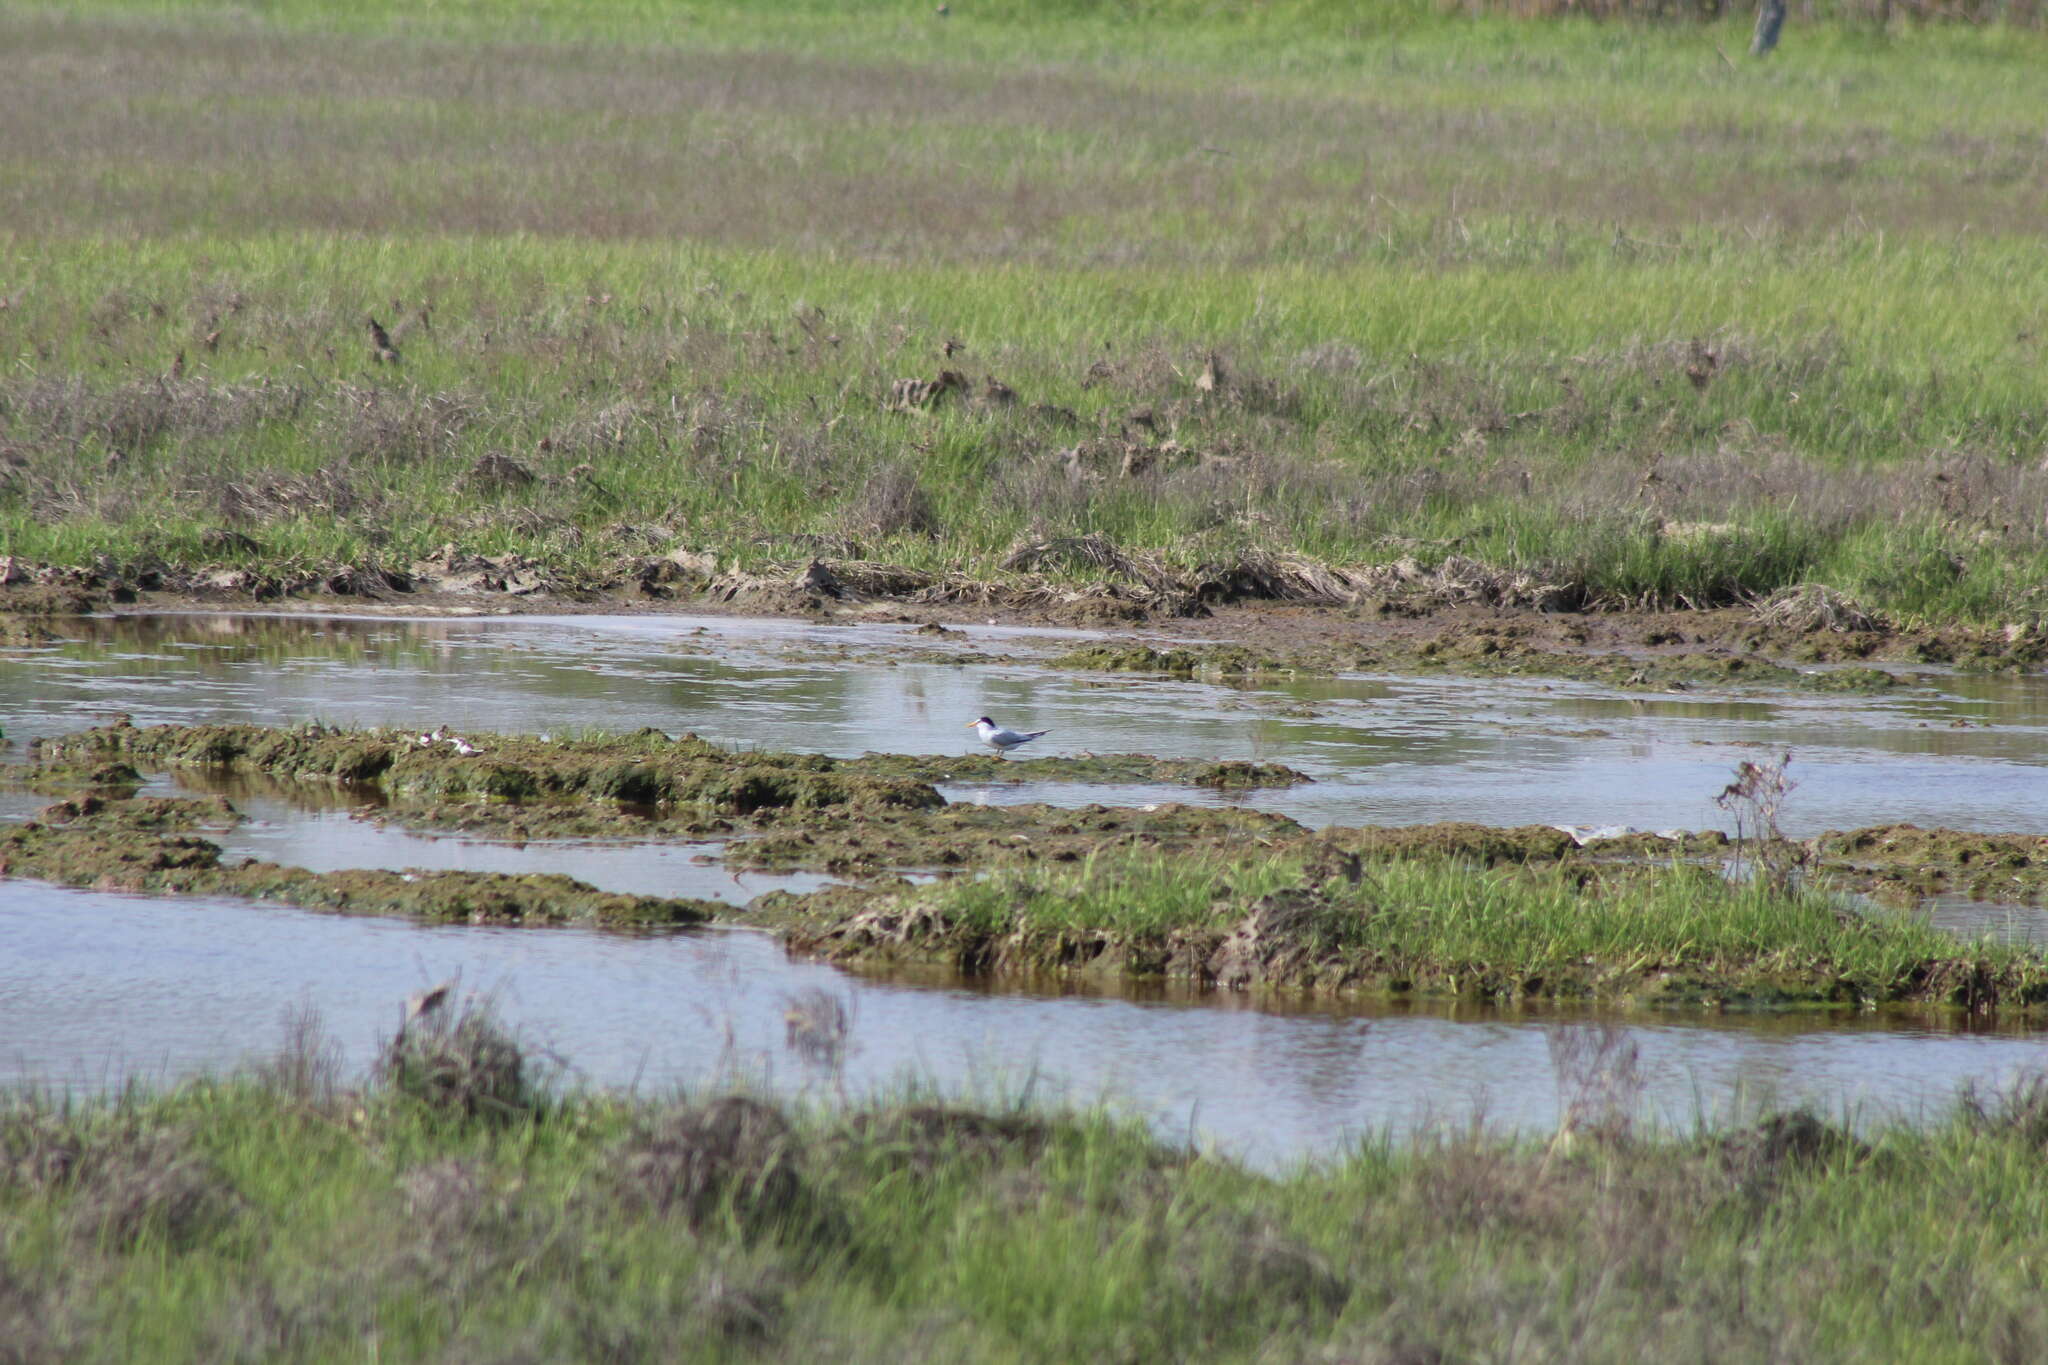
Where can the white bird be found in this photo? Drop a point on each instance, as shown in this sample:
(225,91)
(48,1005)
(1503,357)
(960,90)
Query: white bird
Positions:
(1002,741)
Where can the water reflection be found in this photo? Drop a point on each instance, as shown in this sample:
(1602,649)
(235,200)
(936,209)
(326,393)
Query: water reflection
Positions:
(1967,752)
(93,986)
(97,987)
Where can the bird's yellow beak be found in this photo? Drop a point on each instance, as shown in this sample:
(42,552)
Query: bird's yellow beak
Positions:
(970,725)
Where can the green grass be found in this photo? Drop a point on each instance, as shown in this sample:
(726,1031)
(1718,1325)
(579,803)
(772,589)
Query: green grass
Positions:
(671,262)
(287,1218)
(1438,925)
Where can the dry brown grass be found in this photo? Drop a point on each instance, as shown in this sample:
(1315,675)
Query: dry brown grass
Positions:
(123,1180)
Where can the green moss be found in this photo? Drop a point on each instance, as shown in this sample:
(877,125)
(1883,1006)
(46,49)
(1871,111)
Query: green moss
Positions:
(1849,680)
(1484,844)
(1906,862)
(974,836)
(1105,768)
(428,770)
(61,778)
(145,846)
(1208,661)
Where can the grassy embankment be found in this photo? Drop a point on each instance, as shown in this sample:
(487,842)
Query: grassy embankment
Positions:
(1591,312)
(453,1208)
(1414,921)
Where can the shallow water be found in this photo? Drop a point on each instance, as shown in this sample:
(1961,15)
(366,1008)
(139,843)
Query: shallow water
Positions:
(327,841)
(95,986)
(1966,752)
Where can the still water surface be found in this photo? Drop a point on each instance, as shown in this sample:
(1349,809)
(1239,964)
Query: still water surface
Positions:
(1966,752)
(96,986)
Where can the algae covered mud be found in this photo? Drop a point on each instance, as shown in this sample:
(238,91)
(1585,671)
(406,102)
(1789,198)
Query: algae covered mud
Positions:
(1184,842)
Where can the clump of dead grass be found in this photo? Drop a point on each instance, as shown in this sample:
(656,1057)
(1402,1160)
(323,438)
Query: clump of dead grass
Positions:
(1600,1081)
(892,502)
(263,496)
(920,1137)
(459,1063)
(124,1181)
(307,1065)
(734,1158)
(1811,607)
(397,426)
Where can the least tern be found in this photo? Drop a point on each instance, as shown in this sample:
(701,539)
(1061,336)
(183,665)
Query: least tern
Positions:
(1002,741)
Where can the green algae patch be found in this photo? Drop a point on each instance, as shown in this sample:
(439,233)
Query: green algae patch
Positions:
(1906,862)
(1230,774)
(1486,844)
(148,846)
(1318,918)
(143,814)
(648,769)
(1711,843)
(1203,661)
(1849,680)
(645,783)
(975,836)
(65,778)
(1479,650)
(1500,651)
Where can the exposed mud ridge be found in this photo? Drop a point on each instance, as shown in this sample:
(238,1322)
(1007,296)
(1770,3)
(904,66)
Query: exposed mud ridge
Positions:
(968,836)
(687,776)
(1221,774)
(1258,594)
(642,784)
(148,846)
(1238,637)
(1904,863)
(1479,649)
(1209,661)
(1609,645)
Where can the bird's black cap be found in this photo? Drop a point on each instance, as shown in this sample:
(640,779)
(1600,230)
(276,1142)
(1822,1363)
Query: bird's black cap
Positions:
(983,720)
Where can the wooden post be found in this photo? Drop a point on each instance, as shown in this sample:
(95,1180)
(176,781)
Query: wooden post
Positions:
(1770,17)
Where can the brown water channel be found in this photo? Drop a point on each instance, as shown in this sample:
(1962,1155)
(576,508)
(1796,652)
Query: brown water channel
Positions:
(97,986)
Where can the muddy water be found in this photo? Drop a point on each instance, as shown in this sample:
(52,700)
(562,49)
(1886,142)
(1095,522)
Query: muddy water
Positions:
(95,986)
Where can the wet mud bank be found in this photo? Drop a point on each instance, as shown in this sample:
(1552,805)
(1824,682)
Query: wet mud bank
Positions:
(1230,630)
(643,785)
(1479,650)
(155,845)
(1212,897)
(1904,864)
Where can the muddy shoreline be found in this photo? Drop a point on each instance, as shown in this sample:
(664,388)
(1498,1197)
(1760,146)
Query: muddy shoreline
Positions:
(1760,645)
